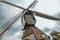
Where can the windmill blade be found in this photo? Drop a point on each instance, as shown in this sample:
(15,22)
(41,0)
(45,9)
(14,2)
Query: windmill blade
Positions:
(19,6)
(13,4)
(8,24)
(36,13)
(32,4)
(45,16)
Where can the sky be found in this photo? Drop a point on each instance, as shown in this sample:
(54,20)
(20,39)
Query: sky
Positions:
(50,7)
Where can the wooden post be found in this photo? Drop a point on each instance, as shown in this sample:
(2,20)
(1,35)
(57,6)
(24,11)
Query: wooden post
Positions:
(37,33)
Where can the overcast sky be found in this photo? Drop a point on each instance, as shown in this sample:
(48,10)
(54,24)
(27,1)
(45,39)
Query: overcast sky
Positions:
(50,7)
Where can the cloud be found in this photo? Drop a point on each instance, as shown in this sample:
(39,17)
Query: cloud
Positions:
(46,29)
(16,36)
(57,26)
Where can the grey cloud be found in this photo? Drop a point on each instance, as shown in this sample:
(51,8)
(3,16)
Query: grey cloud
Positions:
(46,29)
(57,25)
(14,33)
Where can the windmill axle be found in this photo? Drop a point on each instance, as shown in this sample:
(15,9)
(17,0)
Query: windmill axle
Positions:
(28,20)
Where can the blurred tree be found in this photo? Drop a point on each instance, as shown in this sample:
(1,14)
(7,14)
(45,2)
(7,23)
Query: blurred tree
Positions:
(55,33)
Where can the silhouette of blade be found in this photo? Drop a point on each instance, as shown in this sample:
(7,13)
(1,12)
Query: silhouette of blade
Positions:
(45,16)
(8,24)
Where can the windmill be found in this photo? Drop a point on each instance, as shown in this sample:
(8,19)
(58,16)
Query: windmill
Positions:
(28,21)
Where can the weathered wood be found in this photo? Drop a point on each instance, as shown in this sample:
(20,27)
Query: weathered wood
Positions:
(27,32)
(39,35)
